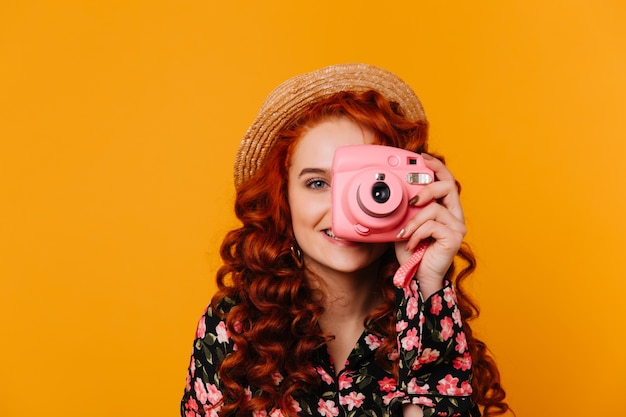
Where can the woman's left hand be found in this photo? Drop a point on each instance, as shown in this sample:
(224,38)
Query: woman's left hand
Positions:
(441,220)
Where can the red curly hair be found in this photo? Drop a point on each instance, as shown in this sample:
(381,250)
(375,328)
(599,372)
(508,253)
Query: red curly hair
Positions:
(275,321)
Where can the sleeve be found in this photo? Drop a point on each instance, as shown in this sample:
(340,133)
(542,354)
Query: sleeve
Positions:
(203,395)
(435,366)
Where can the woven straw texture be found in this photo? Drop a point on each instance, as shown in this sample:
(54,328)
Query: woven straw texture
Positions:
(287,102)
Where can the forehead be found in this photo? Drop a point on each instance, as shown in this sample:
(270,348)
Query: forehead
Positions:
(317,146)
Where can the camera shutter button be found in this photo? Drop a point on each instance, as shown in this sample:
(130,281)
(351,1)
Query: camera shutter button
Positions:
(393,161)
(362,230)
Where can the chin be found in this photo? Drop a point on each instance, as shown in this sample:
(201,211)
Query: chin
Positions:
(348,264)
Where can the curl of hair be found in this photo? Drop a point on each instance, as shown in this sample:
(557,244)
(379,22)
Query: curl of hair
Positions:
(275,321)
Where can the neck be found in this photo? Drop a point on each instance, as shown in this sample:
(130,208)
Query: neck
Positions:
(347,300)
(346,296)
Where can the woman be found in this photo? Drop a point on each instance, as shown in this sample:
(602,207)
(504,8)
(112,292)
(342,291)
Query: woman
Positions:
(305,323)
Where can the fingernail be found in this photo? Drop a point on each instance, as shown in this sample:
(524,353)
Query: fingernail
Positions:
(414,200)
(427,156)
(400,234)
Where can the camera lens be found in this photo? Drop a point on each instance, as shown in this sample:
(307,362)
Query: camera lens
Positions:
(380,192)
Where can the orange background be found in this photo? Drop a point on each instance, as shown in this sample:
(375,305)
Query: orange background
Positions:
(119,121)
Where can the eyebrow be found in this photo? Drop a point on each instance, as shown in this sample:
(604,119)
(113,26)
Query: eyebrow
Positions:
(313,171)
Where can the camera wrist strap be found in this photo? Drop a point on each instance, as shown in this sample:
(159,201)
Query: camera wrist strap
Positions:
(406,271)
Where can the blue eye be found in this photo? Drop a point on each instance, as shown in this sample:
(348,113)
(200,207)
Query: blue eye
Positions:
(316,183)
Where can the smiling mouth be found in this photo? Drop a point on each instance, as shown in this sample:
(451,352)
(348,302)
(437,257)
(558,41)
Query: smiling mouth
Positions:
(331,235)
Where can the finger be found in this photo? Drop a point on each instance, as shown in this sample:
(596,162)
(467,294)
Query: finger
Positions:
(434,213)
(444,192)
(436,190)
(442,173)
(446,238)
(443,189)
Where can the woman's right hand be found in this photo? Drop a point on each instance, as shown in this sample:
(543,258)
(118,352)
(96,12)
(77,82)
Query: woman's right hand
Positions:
(441,220)
(411,410)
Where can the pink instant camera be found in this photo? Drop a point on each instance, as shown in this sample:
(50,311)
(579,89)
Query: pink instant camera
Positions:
(371,189)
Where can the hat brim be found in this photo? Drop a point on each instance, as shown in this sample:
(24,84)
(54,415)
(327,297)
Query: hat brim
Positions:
(287,102)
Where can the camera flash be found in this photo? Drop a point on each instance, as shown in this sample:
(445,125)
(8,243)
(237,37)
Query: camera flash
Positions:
(419,178)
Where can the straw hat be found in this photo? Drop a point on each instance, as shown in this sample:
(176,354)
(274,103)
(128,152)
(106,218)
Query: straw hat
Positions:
(288,101)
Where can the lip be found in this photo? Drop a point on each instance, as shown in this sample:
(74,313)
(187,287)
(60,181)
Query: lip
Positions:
(337,240)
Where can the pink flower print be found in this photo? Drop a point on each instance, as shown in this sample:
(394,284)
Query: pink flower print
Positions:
(222,332)
(294,406)
(423,401)
(412,289)
(436,304)
(214,395)
(429,355)
(324,375)
(411,340)
(393,355)
(387,384)
(446,328)
(373,342)
(416,365)
(277,378)
(327,408)
(463,363)
(407,292)
(389,397)
(352,400)
(456,316)
(401,326)
(449,386)
(345,381)
(461,342)
(414,388)
(211,410)
(259,413)
(412,308)
(466,388)
(207,393)
(188,383)
(201,329)
(277,412)
(238,327)
(191,408)
(192,367)
(201,393)
(450,296)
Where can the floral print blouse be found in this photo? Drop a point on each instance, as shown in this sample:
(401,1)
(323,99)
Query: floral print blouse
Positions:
(434,362)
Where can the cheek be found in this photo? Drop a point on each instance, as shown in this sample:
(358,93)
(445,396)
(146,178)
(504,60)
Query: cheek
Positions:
(301,209)
(296,205)
(307,211)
